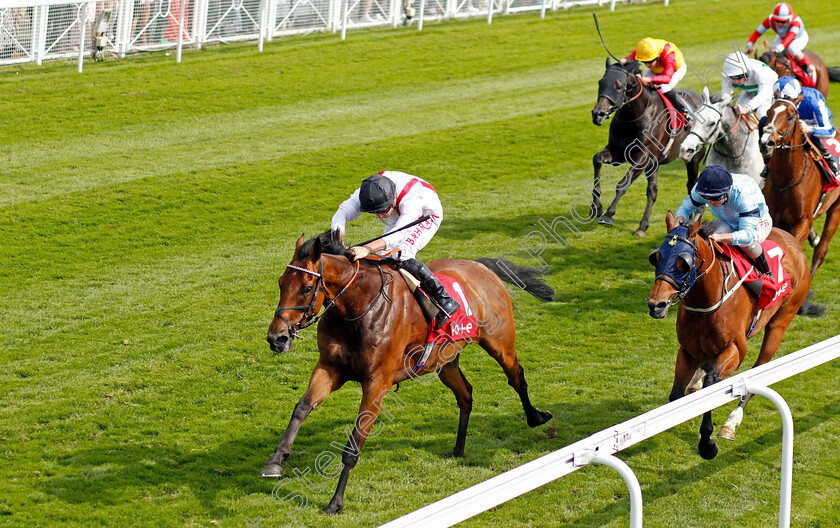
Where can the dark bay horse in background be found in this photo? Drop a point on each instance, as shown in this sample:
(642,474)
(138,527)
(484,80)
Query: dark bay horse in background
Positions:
(780,63)
(793,189)
(372,332)
(640,134)
(713,324)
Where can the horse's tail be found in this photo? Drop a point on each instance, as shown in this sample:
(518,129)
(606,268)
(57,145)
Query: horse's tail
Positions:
(528,279)
(833,74)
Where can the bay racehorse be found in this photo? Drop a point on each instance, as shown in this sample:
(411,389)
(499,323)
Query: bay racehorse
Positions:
(715,316)
(732,138)
(640,135)
(780,63)
(793,189)
(373,332)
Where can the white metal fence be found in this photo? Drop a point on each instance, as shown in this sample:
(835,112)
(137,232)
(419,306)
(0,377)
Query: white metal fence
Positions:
(38,30)
(601,446)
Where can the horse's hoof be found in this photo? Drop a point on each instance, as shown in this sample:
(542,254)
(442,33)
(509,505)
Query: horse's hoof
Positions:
(332,509)
(272,470)
(539,418)
(727,432)
(640,233)
(605,220)
(708,450)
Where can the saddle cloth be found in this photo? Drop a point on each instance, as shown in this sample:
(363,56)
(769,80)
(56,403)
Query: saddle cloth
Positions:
(799,73)
(771,292)
(462,324)
(677,119)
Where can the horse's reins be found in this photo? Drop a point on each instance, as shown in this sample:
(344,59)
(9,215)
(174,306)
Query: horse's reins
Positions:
(717,132)
(725,294)
(783,146)
(311,307)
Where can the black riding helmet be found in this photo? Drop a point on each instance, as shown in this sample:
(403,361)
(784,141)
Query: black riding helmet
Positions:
(715,181)
(376,194)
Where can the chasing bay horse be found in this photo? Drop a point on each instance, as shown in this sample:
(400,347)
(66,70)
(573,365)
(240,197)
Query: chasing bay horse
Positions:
(373,332)
(732,138)
(715,316)
(780,63)
(793,189)
(640,135)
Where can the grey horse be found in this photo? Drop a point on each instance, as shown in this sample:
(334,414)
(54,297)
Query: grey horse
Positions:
(733,139)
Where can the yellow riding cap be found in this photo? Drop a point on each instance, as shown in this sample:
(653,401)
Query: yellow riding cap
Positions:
(650,49)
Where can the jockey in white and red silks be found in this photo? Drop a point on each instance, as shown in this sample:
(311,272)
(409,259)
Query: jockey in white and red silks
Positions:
(399,199)
(791,37)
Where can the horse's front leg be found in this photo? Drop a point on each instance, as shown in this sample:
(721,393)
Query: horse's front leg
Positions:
(683,374)
(652,189)
(832,220)
(373,392)
(726,363)
(323,381)
(605,156)
(620,190)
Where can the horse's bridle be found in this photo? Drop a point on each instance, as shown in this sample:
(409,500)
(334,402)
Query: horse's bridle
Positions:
(310,309)
(783,145)
(614,105)
(309,317)
(682,289)
(717,133)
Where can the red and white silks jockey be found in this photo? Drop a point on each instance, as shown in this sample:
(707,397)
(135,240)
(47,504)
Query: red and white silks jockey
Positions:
(791,36)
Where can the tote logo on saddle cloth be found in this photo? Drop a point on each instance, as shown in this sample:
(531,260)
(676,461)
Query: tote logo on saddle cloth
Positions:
(770,292)
(462,324)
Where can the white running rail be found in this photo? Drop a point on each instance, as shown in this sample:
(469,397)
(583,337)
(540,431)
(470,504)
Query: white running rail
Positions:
(601,446)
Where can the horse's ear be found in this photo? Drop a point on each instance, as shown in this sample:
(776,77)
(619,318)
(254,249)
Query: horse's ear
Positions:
(799,99)
(670,221)
(706,95)
(695,228)
(608,62)
(315,254)
(299,243)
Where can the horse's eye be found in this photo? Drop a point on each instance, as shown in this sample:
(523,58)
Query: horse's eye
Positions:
(307,289)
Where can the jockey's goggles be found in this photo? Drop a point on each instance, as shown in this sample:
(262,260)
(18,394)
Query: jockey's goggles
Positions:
(739,77)
(717,198)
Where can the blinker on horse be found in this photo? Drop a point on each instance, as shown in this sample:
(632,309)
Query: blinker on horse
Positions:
(640,134)
(717,315)
(372,332)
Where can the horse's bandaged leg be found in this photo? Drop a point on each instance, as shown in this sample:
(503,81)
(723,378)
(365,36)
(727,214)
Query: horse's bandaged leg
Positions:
(696,382)
(734,420)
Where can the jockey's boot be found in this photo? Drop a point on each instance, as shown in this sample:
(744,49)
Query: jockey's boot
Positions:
(448,306)
(765,171)
(808,68)
(827,156)
(672,96)
(763,266)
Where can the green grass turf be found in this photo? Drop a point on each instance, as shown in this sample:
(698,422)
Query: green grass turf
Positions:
(147,208)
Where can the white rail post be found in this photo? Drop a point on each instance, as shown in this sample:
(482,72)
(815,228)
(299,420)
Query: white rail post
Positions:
(180,43)
(82,28)
(345,8)
(589,456)
(787,450)
(422,15)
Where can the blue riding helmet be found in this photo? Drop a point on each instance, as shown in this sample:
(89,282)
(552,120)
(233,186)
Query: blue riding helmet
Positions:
(788,87)
(676,246)
(715,181)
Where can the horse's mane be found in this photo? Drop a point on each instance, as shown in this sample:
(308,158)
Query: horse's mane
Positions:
(630,67)
(331,244)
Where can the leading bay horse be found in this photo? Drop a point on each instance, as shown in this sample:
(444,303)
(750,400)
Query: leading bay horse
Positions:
(793,189)
(715,316)
(780,63)
(372,332)
(640,134)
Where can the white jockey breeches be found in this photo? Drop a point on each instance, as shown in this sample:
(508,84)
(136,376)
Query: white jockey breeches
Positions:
(796,46)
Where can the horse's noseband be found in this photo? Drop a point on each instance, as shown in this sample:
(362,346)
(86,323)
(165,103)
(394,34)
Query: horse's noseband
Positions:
(666,267)
(309,312)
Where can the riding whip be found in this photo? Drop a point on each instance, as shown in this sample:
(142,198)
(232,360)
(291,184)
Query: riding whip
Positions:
(602,37)
(412,224)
